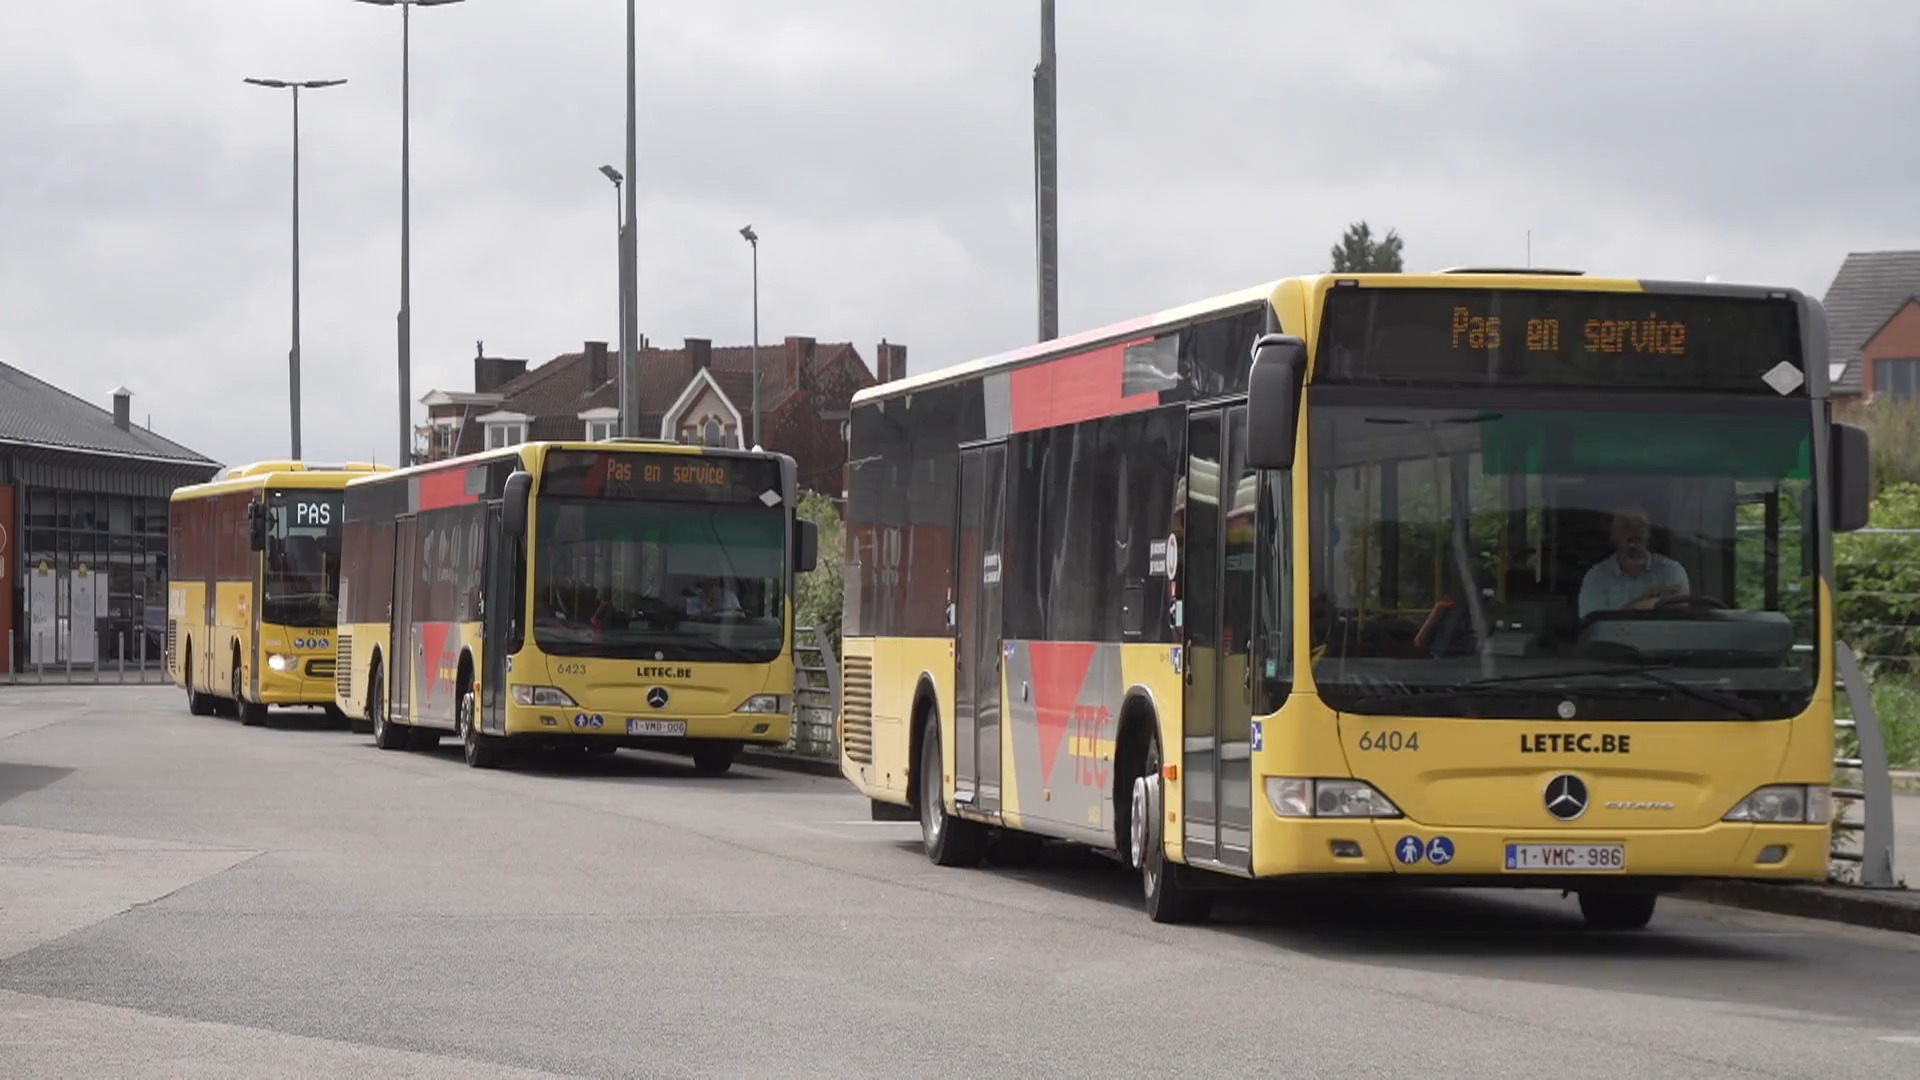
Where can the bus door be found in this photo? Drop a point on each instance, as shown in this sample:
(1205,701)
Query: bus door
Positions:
(400,655)
(976,601)
(496,621)
(1217,556)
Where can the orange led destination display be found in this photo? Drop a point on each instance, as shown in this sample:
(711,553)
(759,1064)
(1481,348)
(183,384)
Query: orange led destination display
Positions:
(1561,338)
(610,474)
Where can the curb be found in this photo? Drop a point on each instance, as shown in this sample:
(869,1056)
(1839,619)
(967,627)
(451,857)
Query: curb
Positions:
(787,762)
(1897,910)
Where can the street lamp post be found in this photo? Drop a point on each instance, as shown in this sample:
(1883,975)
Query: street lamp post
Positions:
(293,354)
(406,216)
(630,257)
(620,235)
(753,240)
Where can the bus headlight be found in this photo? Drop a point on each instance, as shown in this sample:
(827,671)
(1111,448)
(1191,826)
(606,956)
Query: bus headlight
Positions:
(1776,804)
(763,703)
(280,663)
(550,696)
(1299,797)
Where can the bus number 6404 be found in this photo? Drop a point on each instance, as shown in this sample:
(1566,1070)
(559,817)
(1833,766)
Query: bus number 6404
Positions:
(1389,741)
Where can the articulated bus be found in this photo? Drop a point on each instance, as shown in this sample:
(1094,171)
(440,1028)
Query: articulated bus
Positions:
(253,577)
(575,596)
(1477,578)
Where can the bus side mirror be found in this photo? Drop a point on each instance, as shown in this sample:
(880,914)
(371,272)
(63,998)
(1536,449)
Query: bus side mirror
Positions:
(1852,475)
(1273,400)
(257,526)
(806,546)
(513,504)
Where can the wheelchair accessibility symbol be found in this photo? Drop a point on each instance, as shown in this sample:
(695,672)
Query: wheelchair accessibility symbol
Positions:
(1439,851)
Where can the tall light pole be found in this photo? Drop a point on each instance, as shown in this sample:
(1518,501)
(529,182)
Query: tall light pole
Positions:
(620,242)
(293,354)
(753,239)
(630,260)
(406,216)
(1046,166)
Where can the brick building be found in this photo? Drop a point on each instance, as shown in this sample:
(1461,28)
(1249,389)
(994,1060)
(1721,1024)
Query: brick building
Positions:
(693,394)
(1873,325)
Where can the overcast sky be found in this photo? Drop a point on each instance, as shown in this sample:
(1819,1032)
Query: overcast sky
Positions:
(883,151)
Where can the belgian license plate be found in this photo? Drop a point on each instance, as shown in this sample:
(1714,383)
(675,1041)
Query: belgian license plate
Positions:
(656,727)
(1583,858)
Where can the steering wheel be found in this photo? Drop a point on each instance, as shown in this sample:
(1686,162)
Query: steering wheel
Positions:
(1689,599)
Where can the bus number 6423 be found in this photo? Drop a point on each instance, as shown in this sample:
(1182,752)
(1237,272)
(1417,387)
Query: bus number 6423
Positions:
(1389,741)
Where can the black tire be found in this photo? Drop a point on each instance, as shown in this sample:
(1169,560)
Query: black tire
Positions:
(1618,910)
(714,759)
(480,751)
(387,735)
(252,713)
(198,704)
(1167,895)
(948,840)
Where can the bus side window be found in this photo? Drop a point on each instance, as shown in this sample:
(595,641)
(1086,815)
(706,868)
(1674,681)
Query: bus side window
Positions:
(1273,608)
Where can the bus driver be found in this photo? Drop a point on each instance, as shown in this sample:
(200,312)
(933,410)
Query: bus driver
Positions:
(1633,576)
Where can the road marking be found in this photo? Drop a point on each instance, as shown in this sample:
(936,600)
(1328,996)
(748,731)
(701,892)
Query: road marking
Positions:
(1901,1040)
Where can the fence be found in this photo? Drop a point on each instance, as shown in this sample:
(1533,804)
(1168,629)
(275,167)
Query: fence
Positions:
(131,663)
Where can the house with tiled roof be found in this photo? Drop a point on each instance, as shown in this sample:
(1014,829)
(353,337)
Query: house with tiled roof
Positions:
(1873,325)
(693,394)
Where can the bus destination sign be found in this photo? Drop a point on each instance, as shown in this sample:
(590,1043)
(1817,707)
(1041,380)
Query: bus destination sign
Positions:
(1529,337)
(616,474)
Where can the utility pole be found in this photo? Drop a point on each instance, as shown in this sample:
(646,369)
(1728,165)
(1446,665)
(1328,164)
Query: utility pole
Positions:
(630,261)
(1046,176)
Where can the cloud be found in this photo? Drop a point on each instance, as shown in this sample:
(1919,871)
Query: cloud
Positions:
(883,153)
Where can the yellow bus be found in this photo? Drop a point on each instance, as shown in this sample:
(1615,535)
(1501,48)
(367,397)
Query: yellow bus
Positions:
(1526,581)
(574,596)
(253,577)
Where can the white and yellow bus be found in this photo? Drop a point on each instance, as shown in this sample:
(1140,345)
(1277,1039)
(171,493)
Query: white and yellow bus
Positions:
(254,573)
(1526,581)
(562,595)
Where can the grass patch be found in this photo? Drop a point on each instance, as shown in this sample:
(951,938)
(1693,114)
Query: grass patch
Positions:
(1896,700)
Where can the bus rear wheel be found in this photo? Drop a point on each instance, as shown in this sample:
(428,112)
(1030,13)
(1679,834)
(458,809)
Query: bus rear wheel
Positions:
(1618,910)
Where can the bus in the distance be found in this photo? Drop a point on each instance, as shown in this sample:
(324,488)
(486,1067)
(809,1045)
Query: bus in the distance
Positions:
(1476,578)
(575,596)
(252,583)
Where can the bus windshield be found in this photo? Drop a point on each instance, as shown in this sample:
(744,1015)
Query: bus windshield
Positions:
(1531,556)
(651,580)
(302,582)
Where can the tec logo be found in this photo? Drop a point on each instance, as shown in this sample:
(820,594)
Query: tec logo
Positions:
(1409,850)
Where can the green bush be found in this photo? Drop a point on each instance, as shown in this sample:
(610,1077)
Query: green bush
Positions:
(818,594)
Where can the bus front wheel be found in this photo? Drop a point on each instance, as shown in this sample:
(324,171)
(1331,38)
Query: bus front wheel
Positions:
(1618,910)
(1168,897)
(949,841)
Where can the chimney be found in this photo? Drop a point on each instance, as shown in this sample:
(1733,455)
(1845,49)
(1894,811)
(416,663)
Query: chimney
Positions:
(799,356)
(889,362)
(700,352)
(492,372)
(598,367)
(123,408)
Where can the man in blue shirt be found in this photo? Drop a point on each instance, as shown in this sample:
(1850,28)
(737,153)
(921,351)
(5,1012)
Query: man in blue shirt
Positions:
(1633,576)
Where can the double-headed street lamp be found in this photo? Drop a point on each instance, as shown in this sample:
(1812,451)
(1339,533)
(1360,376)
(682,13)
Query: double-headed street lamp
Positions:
(406,217)
(293,354)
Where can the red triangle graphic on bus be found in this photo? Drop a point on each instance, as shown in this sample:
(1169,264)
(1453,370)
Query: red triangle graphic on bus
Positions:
(1059,670)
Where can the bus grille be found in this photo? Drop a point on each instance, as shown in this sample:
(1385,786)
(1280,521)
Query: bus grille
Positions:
(343,667)
(320,669)
(173,637)
(856,708)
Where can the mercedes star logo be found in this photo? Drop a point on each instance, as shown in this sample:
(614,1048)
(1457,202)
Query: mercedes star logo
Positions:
(1566,797)
(657,697)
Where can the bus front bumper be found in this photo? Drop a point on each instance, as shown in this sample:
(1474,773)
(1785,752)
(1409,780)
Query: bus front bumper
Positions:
(310,682)
(1414,854)
(538,723)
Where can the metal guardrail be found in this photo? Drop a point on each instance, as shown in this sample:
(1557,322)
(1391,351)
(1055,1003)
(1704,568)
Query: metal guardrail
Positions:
(1874,859)
(133,666)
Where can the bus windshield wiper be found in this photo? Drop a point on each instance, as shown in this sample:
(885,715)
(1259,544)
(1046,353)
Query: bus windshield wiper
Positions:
(1649,672)
(1476,688)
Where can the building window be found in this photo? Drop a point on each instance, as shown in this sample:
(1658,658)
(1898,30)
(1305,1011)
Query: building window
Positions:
(510,433)
(713,432)
(1898,378)
(601,429)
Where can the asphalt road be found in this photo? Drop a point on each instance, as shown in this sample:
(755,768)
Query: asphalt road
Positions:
(183,896)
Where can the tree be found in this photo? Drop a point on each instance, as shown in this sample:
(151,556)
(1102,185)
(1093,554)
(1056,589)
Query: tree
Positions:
(819,594)
(1358,253)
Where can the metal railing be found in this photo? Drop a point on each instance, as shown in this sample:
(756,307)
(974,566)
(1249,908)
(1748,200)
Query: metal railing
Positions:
(130,663)
(816,695)
(1862,749)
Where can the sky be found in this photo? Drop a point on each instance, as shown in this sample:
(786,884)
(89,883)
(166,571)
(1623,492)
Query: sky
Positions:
(883,152)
